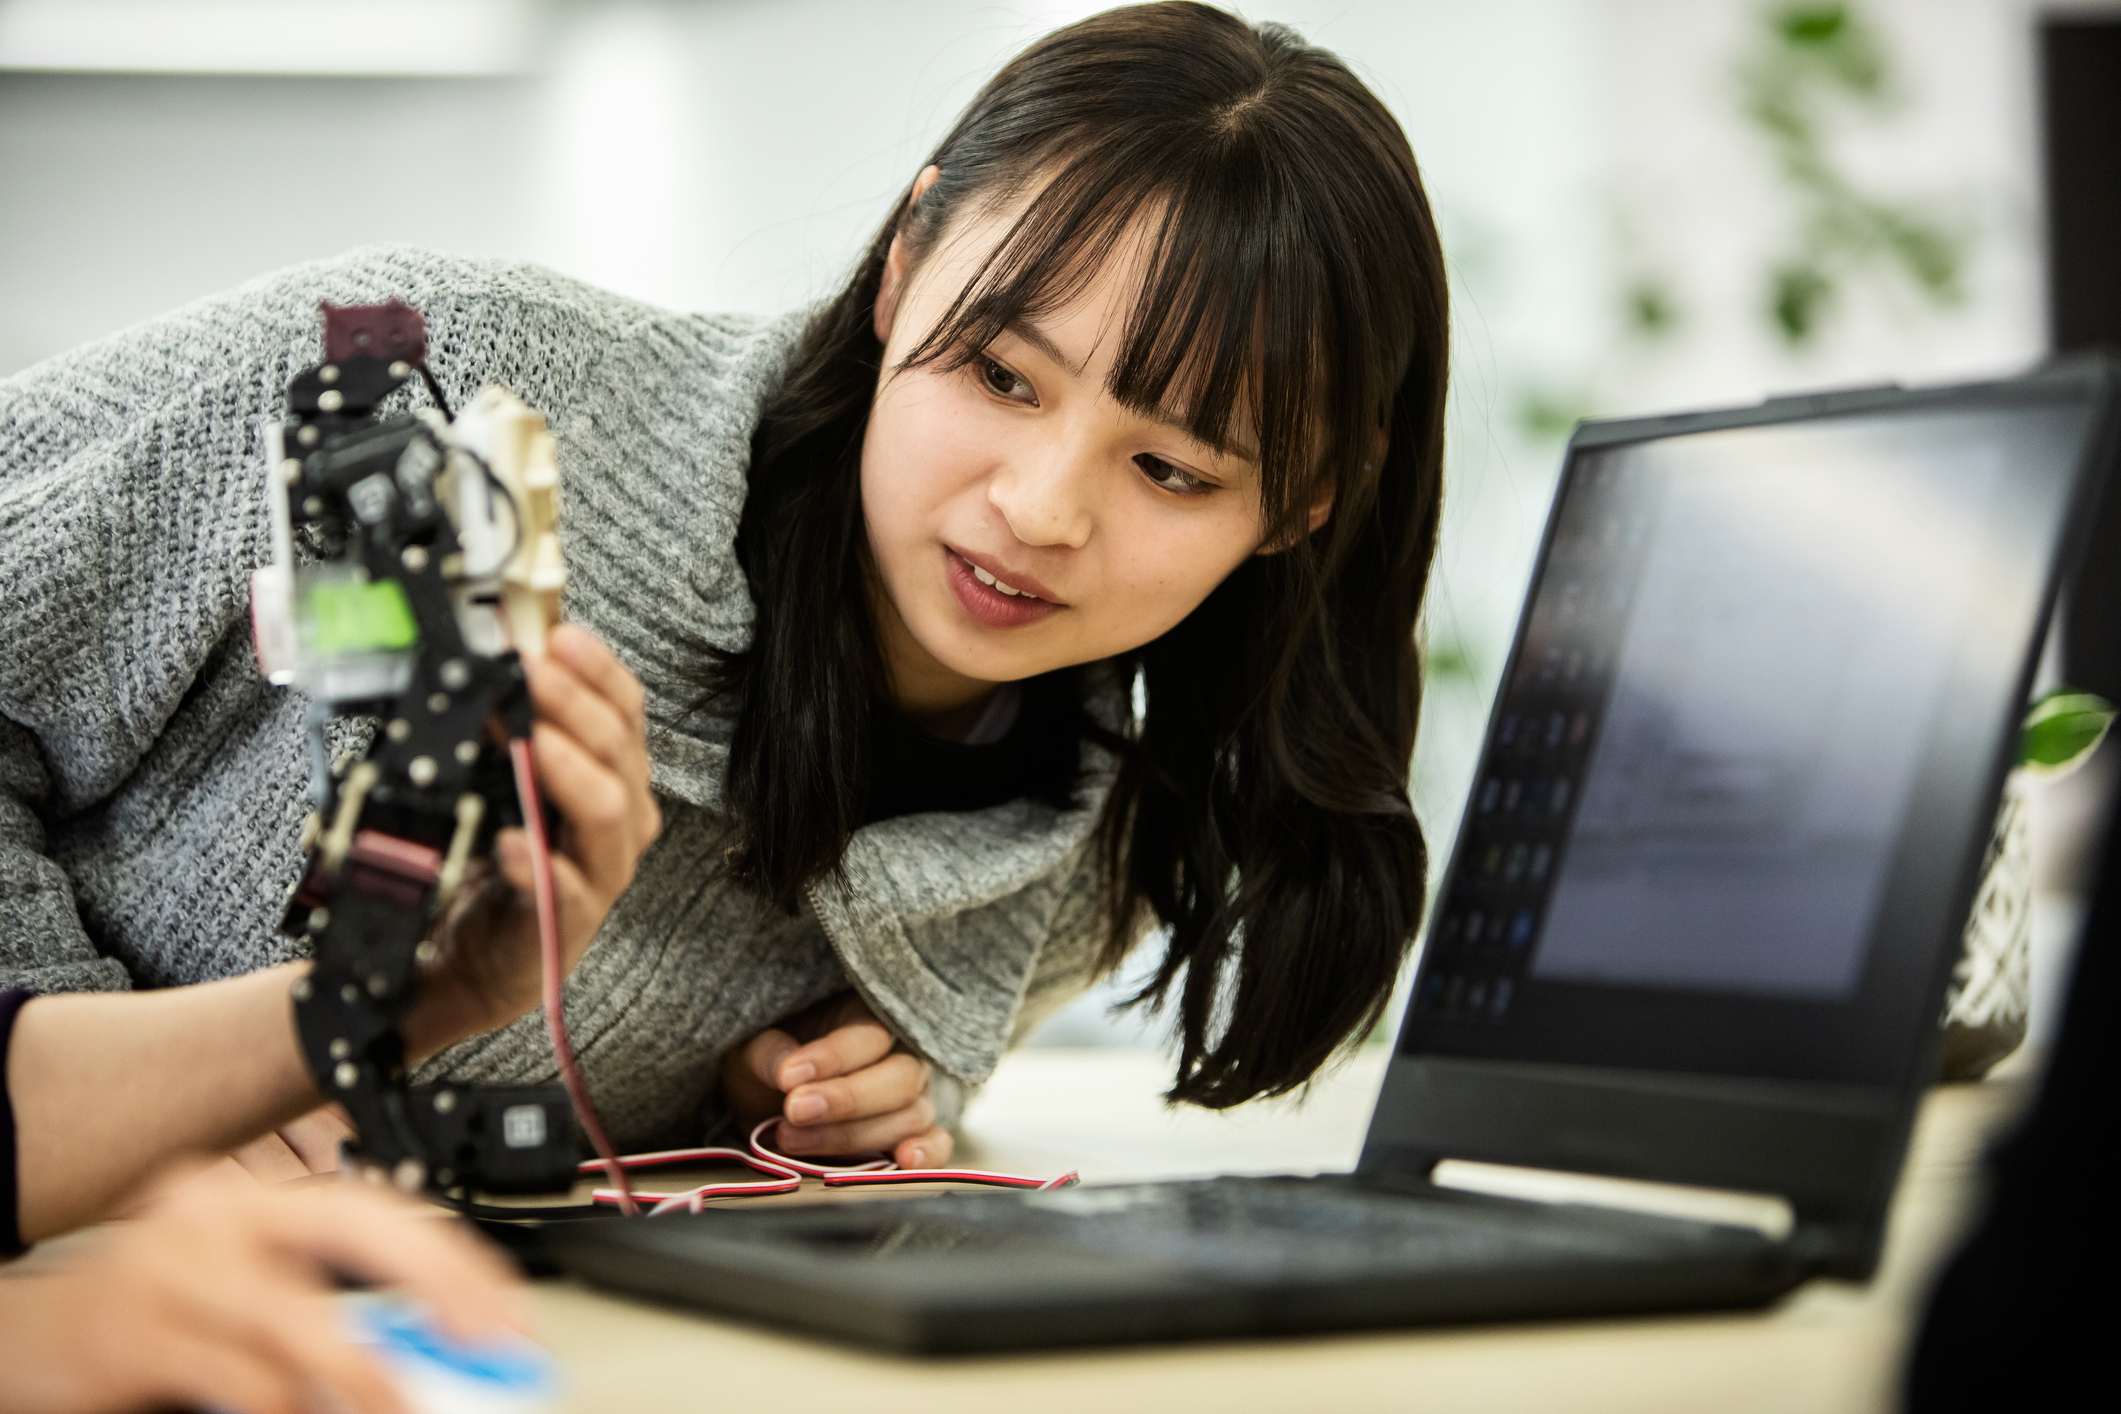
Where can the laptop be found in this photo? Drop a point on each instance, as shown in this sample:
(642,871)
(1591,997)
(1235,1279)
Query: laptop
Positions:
(1696,928)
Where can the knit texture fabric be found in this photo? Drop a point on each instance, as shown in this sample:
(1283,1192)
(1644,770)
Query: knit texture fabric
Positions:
(152,784)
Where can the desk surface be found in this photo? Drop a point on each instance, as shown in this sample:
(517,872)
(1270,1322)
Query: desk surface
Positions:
(1830,1346)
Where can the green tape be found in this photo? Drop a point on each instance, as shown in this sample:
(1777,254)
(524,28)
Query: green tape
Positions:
(354,616)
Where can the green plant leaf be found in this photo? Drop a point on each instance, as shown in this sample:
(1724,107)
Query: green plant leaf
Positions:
(1547,414)
(1810,25)
(1651,310)
(2061,729)
(1797,297)
(1448,660)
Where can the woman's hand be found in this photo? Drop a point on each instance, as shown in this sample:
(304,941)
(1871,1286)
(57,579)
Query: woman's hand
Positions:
(590,745)
(223,1298)
(842,1084)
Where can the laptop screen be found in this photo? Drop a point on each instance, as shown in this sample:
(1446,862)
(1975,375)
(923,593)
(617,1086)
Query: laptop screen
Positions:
(1715,743)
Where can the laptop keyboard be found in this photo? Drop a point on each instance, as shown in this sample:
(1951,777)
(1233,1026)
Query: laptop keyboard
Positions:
(1269,1225)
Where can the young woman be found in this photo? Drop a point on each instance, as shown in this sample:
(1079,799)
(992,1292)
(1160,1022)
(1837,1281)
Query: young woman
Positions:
(1056,578)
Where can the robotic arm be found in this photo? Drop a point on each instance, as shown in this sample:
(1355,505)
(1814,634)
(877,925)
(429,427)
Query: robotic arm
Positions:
(451,573)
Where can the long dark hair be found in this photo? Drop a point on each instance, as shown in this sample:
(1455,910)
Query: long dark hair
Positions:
(1260,807)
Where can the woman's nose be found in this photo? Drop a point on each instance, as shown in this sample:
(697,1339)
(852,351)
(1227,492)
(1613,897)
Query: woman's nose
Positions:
(1046,500)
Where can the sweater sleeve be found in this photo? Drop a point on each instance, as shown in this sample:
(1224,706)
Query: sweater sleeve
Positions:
(117,459)
(58,704)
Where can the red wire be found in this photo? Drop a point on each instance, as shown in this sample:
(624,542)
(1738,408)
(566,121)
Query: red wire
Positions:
(549,941)
(788,1174)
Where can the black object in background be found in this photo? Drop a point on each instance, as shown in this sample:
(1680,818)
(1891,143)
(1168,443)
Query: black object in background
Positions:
(2008,1317)
(2080,112)
(2005,1320)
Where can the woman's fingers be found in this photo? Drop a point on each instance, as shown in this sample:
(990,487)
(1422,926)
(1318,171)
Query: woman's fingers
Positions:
(890,1085)
(593,659)
(572,893)
(748,1073)
(763,1056)
(860,1136)
(582,686)
(595,802)
(838,1052)
(571,700)
(929,1149)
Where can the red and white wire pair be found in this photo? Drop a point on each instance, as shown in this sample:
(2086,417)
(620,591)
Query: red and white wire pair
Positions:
(786,1175)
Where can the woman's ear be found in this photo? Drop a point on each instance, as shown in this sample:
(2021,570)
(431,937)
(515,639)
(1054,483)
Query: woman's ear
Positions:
(1323,506)
(1320,509)
(893,286)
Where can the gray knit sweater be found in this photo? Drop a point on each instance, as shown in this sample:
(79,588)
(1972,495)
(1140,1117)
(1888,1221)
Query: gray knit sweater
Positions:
(152,783)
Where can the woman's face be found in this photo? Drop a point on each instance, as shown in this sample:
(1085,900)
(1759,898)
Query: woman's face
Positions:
(1023,464)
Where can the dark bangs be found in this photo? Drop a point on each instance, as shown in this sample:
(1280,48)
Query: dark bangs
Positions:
(1226,316)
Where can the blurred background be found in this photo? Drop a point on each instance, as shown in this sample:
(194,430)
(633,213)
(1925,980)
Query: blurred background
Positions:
(1647,205)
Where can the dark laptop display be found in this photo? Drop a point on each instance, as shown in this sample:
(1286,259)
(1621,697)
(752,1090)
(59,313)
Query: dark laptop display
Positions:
(1743,677)
(1696,928)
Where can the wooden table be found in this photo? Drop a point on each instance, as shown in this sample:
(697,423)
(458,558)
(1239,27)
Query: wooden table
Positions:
(1830,1346)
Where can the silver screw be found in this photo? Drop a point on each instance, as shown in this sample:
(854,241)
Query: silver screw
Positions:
(399,729)
(331,400)
(341,1048)
(438,702)
(399,368)
(414,558)
(422,770)
(329,373)
(409,1175)
(426,954)
(313,506)
(467,752)
(445,1178)
(445,1101)
(455,675)
(302,990)
(319,918)
(345,1075)
(378,984)
(349,994)
(307,436)
(290,471)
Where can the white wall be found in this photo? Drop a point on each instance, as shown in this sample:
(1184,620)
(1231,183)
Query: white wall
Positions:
(737,155)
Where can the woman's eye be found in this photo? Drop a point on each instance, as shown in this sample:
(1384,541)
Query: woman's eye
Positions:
(988,368)
(998,380)
(1182,483)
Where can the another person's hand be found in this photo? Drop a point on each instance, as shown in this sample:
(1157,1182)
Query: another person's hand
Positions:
(842,1084)
(224,1298)
(590,745)
(298,1148)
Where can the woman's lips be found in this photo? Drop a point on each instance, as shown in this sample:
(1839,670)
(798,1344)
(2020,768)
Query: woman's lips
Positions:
(991,607)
